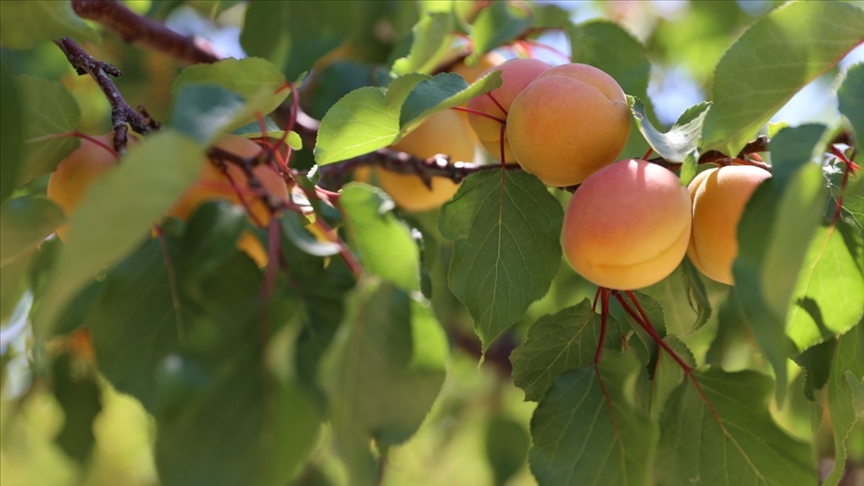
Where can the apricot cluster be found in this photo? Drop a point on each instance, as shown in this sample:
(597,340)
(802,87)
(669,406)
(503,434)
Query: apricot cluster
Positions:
(77,172)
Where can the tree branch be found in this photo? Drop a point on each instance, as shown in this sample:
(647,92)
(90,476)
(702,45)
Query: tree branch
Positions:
(135,28)
(121,112)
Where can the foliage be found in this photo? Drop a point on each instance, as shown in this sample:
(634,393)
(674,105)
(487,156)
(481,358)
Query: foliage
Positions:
(336,338)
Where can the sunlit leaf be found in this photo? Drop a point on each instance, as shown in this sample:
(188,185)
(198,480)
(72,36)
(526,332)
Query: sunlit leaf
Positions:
(848,360)
(428,44)
(444,91)
(681,140)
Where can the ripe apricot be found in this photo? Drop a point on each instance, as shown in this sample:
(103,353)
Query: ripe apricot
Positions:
(718,197)
(78,171)
(627,225)
(516,74)
(442,133)
(568,123)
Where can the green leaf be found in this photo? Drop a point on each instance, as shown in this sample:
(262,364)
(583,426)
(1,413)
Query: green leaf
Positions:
(683,299)
(133,323)
(80,399)
(816,363)
(496,25)
(363,121)
(23,24)
(496,271)
(607,46)
(774,235)
(294,227)
(507,444)
(382,374)
(384,244)
(850,99)
(777,56)
(428,45)
(749,448)
(667,375)
(271,130)
(849,359)
(24,223)
(681,140)
(11,132)
(829,293)
(40,97)
(444,91)
(558,343)
(206,111)
(249,77)
(587,426)
(209,240)
(118,211)
(792,148)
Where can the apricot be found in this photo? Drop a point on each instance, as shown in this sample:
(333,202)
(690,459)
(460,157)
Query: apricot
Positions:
(516,74)
(471,74)
(718,198)
(74,174)
(627,225)
(442,133)
(568,123)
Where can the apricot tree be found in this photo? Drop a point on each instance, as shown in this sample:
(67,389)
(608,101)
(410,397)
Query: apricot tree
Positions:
(400,242)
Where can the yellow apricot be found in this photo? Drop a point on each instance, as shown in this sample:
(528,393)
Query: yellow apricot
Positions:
(442,133)
(516,75)
(213,184)
(78,171)
(568,123)
(627,226)
(718,197)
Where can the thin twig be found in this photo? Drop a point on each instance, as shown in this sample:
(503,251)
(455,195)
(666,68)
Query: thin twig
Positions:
(137,29)
(121,112)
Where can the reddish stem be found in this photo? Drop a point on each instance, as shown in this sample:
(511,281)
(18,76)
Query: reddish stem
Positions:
(648,153)
(604,314)
(549,48)
(500,107)
(478,113)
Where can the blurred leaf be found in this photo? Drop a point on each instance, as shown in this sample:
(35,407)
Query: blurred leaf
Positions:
(428,44)
(444,91)
(850,99)
(688,169)
(383,243)
(294,227)
(497,24)
(23,24)
(507,444)
(550,16)
(253,130)
(249,77)
(792,148)
(209,241)
(13,284)
(339,78)
(495,271)
(829,293)
(206,111)
(558,343)
(777,56)
(11,133)
(681,140)
(80,399)
(24,223)
(748,448)
(607,46)
(76,313)
(849,359)
(774,234)
(40,97)
(588,427)
(382,374)
(133,323)
(127,200)
(816,363)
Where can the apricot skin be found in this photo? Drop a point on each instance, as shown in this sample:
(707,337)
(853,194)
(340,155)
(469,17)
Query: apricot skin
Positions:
(442,133)
(718,198)
(568,123)
(627,226)
(516,75)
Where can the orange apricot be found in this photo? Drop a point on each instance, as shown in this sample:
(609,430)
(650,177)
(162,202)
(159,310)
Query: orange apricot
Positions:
(568,123)
(627,226)
(442,133)
(516,75)
(718,198)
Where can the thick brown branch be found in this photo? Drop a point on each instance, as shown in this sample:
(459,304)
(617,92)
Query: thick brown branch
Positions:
(333,176)
(137,29)
(121,112)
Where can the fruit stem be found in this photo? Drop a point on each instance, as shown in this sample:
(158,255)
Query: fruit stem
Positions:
(478,113)
(492,97)
(604,314)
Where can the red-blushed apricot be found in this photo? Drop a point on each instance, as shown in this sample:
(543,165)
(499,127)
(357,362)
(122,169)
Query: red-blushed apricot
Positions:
(78,171)
(568,123)
(516,74)
(442,133)
(718,197)
(627,226)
